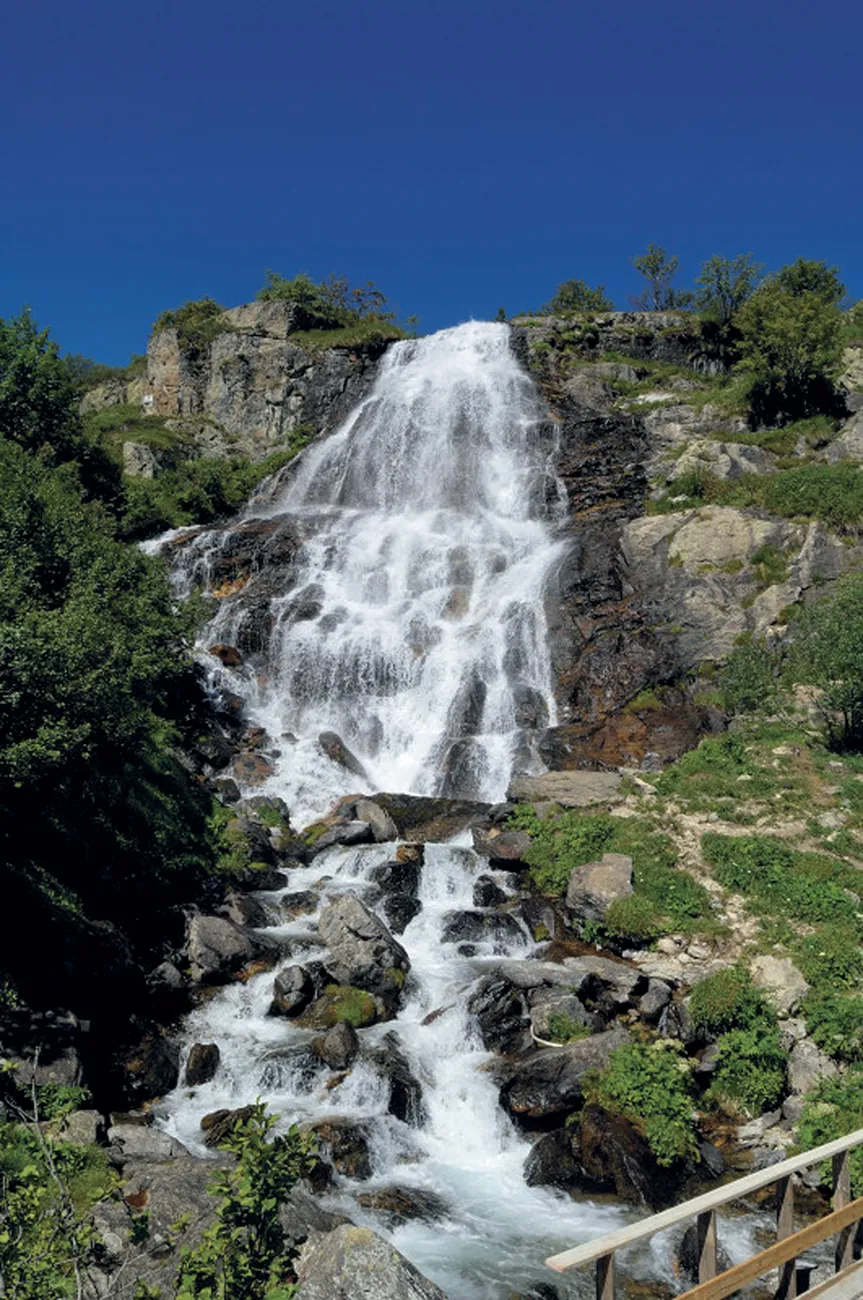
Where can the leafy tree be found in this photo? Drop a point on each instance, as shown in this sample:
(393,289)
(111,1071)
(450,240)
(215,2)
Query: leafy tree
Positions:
(724,285)
(790,329)
(577,296)
(242,1255)
(333,299)
(659,270)
(828,653)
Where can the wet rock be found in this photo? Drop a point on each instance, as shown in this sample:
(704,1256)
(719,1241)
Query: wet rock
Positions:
(406,1097)
(427,820)
(410,853)
(216,949)
(360,949)
(400,910)
(676,1022)
(398,876)
(355,1264)
(499,929)
(293,990)
(486,893)
(149,1068)
(345,833)
(552,1162)
(300,904)
(338,1047)
(595,886)
(219,1124)
(243,910)
(615,1157)
(383,827)
(346,1145)
(337,752)
(505,848)
(501,1014)
(712,1159)
(265,879)
(202,1064)
(548,1081)
(301,1214)
(226,789)
(652,1003)
(227,655)
(252,769)
(401,1204)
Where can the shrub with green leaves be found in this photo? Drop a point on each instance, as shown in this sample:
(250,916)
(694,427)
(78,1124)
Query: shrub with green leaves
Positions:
(833,1109)
(806,886)
(750,1071)
(197,324)
(243,1254)
(835,1022)
(747,680)
(650,1086)
(729,1000)
(831,958)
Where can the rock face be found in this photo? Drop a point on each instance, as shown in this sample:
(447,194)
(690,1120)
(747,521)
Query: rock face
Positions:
(355,1264)
(360,949)
(253,386)
(595,886)
(548,1082)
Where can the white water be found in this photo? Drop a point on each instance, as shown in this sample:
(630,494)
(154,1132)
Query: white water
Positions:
(429,524)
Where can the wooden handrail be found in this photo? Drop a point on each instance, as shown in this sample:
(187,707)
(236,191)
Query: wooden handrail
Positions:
(787,1249)
(591,1251)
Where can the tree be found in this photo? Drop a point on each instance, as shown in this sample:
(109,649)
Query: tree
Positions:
(828,653)
(790,330)
(724,285)
(577,296)
(659,271)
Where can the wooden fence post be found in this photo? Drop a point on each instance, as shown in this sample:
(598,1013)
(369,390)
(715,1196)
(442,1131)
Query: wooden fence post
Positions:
(841,1197)
(605,1277)
(787,1289)
(705,1228)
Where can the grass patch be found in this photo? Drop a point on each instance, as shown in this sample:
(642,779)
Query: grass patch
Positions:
(808,887)
(348,336)
(835,1022)
(729,1000)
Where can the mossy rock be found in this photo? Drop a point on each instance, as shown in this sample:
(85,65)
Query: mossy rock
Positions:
(340,1002)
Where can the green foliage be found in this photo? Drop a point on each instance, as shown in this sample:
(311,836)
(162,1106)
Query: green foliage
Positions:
(803,886)
(750,1071)
(665,897)
(659,270)
(831,958)
(789,339)
(197,324)
(333,299)
(724,285)
(47,1190)
(56,1100)
(563,1029)
(356,1006)
(575,296)
(747,679)
(650,1085)
(833,1109)
(243,1254)
(198,491)
(835,1022)
(729,1000)
(828,653)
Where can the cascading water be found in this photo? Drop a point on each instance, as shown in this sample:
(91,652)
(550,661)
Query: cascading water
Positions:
(416,632)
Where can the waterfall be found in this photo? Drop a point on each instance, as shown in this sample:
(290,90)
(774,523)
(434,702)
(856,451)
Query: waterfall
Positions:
(414,629)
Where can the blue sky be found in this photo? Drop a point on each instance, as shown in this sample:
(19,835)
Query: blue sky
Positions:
(463,154)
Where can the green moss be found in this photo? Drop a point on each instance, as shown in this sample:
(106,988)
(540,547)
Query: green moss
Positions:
(355,1006)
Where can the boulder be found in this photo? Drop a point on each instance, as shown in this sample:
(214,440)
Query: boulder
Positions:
(217,948)
(337,752)
(293,990)
(134,1142)
(501,1013)
(399,876)
(595,886)
(808,1065)
(487,893)
(400,1204)
(552,1162)
(405,1098)
(43,1046)
(499,929)
(338,1047)
(360,949)
(202,1063)
(780,980)
(300,903)
(557,1001)
(346,833)
(424,819)
(355,1264)
(505,848)
(616,1158)
(383,827)
(147,1069)
(244,910)
(346,1145)
(652,1003)
(689,1253)
(339,1002)
(219,1124)
(83,1127)
(400,910)
(548,1081)
(300,1214)
(569,789)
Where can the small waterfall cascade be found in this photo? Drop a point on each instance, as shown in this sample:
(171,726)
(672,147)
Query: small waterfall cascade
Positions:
(414,628)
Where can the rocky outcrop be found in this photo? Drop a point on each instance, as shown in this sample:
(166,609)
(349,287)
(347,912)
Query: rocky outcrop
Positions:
(360,950)
(355,1264)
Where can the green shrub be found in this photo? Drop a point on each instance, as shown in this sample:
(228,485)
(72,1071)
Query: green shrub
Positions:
(650,1086)
(833,1109)
(197,324)
(635,920)
(835,1023)
(244,1255)
(747,680)
(729,1000)
(750,1072)
(563,1029)
(804,886)
(831,958)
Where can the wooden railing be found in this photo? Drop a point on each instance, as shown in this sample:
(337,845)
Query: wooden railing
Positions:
(845,1284)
